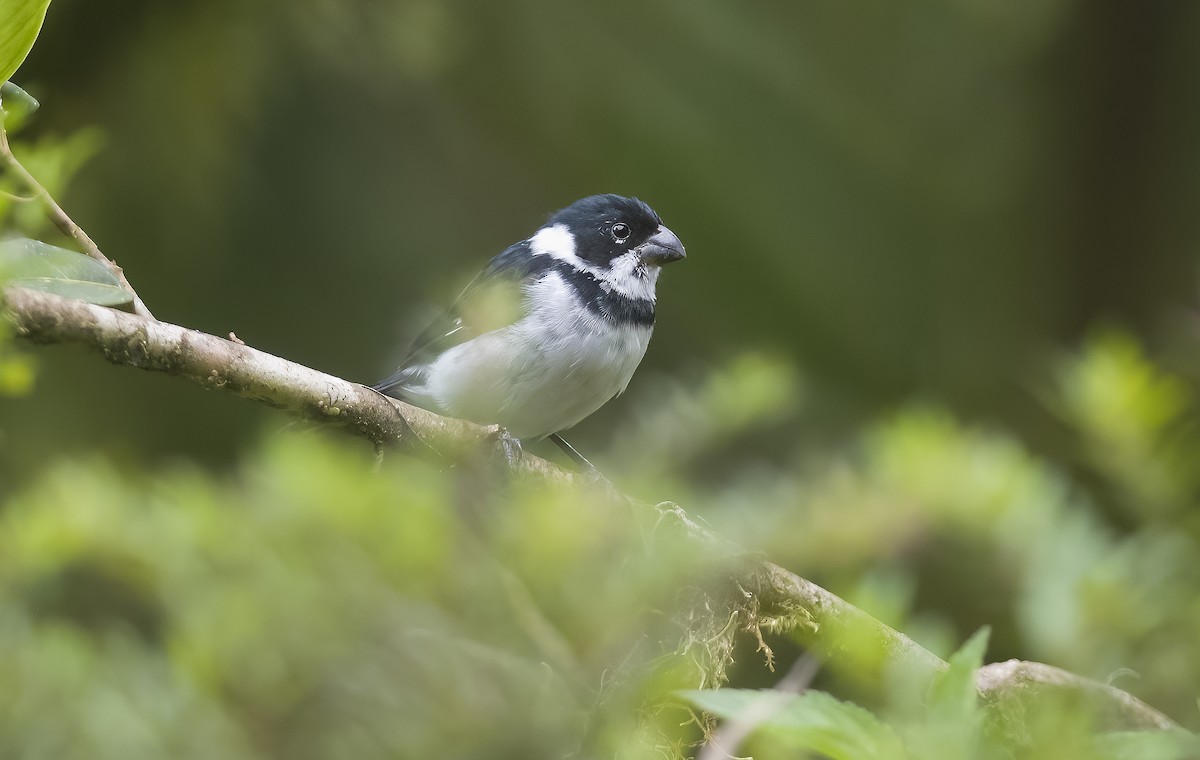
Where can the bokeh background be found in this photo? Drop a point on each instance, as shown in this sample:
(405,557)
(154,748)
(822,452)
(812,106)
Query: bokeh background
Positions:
(934,343)
(906,200)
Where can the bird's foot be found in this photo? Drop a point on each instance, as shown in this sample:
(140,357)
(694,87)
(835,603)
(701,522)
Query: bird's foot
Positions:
(510,448)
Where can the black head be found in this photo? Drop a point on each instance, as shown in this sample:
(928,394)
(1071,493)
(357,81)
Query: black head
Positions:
(607,226)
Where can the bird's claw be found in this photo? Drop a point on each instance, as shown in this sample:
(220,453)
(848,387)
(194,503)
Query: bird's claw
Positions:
(510,448)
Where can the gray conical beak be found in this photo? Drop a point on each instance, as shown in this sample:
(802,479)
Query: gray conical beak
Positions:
(663,248)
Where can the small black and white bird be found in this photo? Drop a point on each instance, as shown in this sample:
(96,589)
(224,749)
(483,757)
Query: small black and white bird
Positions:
(551,330)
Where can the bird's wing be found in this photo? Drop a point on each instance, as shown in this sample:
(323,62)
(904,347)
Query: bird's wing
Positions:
(493,300)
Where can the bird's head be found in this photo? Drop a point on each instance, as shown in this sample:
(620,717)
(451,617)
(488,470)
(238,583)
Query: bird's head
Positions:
(607,229)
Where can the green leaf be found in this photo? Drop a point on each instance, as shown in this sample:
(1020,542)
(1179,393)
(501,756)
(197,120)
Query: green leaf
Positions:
(38,266)
(953,717)
(953,693)
(813,720)
(22,20)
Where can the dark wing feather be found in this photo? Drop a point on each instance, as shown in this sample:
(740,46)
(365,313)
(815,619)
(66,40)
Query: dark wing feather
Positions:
(465,319)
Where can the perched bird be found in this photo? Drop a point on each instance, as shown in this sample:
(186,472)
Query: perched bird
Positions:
(551,330)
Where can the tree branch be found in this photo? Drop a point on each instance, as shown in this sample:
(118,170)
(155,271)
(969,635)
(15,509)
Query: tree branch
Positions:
(218,363)
(846,639)
(1019,680)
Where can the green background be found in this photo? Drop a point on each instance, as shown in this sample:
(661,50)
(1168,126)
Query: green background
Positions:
(908,200)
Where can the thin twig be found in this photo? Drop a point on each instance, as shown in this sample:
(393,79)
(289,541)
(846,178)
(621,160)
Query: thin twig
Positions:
(64,223)
(17,198)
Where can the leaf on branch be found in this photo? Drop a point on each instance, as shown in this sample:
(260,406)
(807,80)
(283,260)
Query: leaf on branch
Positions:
(22,20)
(36,265)
(813,720)
(953,693)
(950,726)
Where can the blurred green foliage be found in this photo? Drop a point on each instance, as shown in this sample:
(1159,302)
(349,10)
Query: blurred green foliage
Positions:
(16,369)
(945,719)
(923,514)
(304,605)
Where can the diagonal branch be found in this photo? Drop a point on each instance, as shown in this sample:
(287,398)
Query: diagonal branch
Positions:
(846,639)
(218,363)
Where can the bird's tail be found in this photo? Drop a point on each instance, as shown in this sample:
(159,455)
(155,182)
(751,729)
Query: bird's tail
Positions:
(408,385)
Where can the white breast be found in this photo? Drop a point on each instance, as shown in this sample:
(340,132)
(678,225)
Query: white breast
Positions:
(543,374)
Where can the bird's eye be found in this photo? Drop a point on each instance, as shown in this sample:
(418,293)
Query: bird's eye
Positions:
(620,232)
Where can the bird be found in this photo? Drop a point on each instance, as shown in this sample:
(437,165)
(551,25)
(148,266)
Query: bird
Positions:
(552,329)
